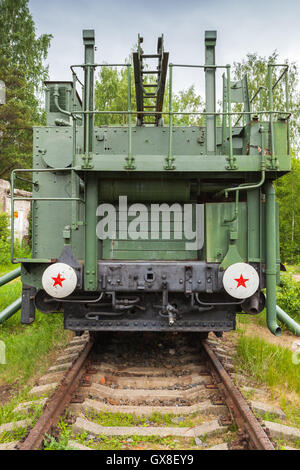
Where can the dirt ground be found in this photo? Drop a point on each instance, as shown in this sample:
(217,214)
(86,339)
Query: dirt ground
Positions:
(286,340)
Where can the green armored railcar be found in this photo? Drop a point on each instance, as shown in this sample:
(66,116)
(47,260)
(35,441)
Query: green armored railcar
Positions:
(151,226)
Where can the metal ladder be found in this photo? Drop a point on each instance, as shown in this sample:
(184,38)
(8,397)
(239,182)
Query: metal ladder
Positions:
(150,96)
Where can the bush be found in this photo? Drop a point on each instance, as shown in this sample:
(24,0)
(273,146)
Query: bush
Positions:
(288,297)
(22,249)
(4,226)
(4,238)
(4,251)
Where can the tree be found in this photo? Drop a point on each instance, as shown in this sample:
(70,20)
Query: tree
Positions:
(22,54)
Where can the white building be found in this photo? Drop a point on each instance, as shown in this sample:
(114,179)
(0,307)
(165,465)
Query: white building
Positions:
(21,209)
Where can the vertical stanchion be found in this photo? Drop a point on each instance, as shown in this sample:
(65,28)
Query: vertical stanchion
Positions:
(129,159)
(231,165)
(271,259)
(287,108)
(270,70)
(170,158)
(91,180)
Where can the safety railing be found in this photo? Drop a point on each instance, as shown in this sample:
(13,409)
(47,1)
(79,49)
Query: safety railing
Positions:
(228,114)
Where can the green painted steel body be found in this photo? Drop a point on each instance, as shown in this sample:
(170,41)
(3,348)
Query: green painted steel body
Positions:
(228,169)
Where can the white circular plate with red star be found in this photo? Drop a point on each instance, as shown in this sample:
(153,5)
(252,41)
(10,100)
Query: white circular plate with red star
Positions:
(59,280)
(240,280)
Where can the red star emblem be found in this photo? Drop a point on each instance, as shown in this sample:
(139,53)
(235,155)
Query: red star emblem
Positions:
(241,281)
(58,280)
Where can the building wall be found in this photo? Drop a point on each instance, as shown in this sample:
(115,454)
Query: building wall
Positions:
(21,209)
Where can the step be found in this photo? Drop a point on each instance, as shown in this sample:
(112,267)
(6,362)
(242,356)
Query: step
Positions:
(141,395)
(204,408)
(105,367)
(280,431)
(211,428)
(152,382)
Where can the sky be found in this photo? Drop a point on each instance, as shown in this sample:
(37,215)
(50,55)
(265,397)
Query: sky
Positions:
(242,26)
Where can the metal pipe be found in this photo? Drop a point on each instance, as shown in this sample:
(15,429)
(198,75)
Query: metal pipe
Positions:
(10,276)
(62,111)
(271,259)
(288,321)
(287,108)
(10,310)
(231,165)
(247,186)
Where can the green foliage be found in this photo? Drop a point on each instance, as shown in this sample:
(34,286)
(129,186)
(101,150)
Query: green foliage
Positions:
(4,226)
(288,297)
(4,238)
(111,94)
(186,101)
(21,68)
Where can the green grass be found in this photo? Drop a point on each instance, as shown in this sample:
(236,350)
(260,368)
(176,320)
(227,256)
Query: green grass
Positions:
(268,363)
(293,269)
(272,365)
(26,345)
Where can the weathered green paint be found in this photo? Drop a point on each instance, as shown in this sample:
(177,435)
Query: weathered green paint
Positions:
(217,230)
(254,211)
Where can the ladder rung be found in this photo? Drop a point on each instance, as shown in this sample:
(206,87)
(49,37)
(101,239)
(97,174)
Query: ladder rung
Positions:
(148,85)
(150,95)
(150,71)
(154,106)
(150,56)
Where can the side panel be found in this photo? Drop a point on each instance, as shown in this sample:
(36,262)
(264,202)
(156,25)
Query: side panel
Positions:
(217,230)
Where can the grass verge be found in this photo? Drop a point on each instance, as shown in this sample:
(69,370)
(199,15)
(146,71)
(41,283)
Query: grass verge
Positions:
(29,349)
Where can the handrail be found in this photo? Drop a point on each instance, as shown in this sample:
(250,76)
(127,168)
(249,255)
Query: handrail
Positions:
(73,199)
(14,306)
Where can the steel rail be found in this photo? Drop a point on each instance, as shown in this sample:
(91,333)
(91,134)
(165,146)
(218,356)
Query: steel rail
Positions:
(57,403)
(243,415)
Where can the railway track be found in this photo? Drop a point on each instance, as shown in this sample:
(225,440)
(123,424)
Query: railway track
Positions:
(171,385)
